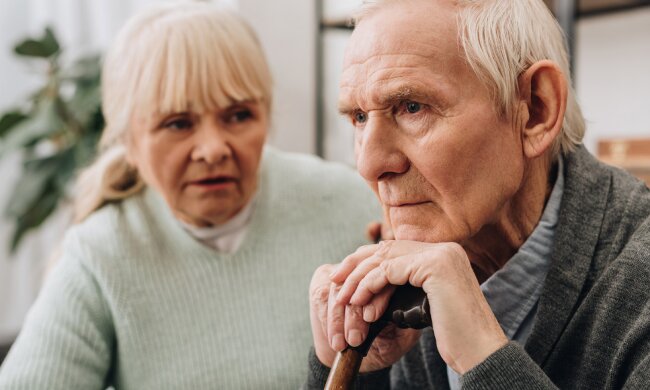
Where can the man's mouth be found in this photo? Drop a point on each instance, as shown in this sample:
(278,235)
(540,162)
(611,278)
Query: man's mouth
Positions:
(405,204)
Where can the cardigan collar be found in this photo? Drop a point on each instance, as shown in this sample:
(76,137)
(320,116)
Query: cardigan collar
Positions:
(587,186)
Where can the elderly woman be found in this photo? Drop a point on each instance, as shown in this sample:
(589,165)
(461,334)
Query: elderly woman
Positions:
(195,243)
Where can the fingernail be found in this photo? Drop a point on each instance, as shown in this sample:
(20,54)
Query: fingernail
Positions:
(338,343)
(354,337)
(369,313)
(334,272)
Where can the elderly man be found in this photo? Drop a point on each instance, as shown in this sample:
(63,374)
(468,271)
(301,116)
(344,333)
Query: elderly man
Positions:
(535,258)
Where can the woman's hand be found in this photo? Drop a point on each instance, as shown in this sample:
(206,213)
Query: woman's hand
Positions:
(357,292)
(378,231)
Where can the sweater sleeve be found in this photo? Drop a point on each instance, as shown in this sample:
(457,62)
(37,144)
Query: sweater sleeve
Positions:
(67,339)
(508,368)
(318,372)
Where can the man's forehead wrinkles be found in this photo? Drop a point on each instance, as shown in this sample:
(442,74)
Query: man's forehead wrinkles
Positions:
(387,86)
(357,74)
(401,57)
(389,73)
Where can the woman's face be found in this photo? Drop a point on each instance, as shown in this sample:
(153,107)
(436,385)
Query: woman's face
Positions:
(204,164)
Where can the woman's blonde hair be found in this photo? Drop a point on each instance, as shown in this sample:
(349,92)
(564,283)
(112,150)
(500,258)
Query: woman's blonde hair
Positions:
(169,58)
(500,40)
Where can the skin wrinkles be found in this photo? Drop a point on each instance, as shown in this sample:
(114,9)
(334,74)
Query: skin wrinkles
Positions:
(204,164)
(461,191)
(460,200)
(386,85)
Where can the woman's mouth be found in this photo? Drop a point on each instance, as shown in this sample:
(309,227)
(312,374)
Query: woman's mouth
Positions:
(214,183)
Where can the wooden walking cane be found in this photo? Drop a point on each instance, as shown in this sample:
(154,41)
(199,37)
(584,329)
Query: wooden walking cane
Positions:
(408,308)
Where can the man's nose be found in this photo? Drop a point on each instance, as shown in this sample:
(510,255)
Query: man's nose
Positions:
(211,144)
(379,151)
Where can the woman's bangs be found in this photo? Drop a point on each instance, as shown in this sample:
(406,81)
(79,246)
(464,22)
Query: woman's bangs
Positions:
(184,76)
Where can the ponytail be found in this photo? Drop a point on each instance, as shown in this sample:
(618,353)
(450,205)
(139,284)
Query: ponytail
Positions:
(110,178)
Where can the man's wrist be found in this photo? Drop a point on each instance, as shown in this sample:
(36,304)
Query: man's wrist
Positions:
(318,372)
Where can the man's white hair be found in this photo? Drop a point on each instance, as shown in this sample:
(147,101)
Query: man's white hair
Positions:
(501,39)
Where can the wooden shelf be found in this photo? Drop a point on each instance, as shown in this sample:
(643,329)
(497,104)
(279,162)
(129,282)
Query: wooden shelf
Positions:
(631,154)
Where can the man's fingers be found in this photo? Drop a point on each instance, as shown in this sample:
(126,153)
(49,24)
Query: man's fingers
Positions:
(320,297)
(356,276)
(341,272)
(378,304)
(397,271)
(319,292)
(371,285)
(382,251)
(335,320)
(356,329)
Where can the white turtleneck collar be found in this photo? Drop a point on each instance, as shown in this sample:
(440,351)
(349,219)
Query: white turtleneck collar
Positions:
(227,237)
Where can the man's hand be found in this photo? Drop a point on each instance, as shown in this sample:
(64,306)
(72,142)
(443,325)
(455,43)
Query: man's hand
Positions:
(357,292)
(330,321)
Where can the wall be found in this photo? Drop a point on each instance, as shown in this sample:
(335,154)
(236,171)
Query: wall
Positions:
(287,30)
(613,75)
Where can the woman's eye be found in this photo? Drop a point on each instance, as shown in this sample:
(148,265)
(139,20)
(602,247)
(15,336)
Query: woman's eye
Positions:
(239,116)
(413,107)
(178,124)
(360,117)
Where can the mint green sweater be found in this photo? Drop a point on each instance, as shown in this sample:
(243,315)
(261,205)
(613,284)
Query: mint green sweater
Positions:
(137,303)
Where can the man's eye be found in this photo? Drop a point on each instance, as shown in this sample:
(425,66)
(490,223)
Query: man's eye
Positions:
(413,107)
(360,117)
(178,124)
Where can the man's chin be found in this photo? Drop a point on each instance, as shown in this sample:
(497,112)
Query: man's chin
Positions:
(414,233)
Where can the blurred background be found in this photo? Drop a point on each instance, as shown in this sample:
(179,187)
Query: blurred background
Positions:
(304,41)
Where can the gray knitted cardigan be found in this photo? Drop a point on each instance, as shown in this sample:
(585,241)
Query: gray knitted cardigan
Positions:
(593,325)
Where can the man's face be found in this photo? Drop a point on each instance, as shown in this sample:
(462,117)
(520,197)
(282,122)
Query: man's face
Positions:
(428,138)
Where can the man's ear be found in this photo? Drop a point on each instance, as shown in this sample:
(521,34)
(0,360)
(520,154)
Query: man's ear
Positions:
(544,92)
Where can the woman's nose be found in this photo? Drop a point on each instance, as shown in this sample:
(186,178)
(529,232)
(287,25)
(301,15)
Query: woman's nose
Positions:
(378,151)
(211,144)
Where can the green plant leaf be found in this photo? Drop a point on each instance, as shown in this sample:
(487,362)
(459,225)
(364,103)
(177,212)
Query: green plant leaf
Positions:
(84,70)
(31,186)
(35,215)
(71,122)
(67,166)
(41,124)
(84,102)
(38,191)
(45,47)
(9,120)
(86,149)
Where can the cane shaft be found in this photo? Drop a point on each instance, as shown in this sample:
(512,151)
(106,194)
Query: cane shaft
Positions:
(408,308)
(344,370)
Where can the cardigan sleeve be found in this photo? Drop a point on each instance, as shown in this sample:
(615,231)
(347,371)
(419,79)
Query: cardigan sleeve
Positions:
(318,372)
(67,340)
(508,368)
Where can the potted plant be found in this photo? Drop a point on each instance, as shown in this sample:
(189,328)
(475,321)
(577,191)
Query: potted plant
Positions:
(56,130)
